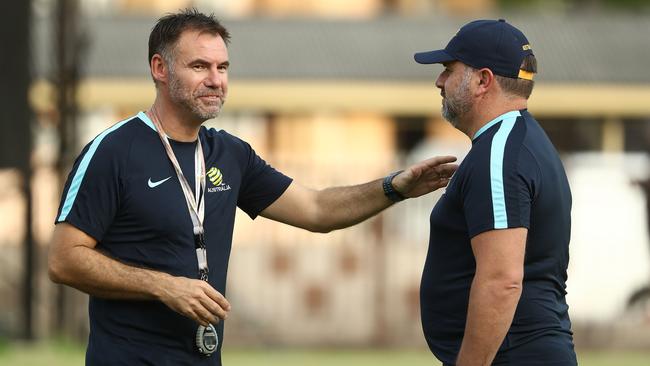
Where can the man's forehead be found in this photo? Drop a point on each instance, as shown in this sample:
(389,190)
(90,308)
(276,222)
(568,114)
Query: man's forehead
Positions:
(192,41)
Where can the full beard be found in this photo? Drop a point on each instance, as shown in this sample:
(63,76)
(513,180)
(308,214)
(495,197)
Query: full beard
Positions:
(456,106)
(190,100)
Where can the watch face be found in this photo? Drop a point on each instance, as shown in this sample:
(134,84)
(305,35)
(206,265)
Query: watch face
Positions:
(207,339)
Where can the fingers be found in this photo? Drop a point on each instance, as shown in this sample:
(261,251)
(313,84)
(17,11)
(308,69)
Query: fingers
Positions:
(439,164)
(438,160)
(194,309)
(197,300)
(204,317)
(425,176)
(213,305)
(217,297)
(216,311)
(442,182)
(445,170)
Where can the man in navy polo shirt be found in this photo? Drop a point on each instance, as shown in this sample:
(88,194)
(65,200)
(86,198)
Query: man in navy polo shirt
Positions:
(146,219)
(493,286)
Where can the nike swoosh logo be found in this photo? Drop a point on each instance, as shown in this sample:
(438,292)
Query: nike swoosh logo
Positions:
(156,184)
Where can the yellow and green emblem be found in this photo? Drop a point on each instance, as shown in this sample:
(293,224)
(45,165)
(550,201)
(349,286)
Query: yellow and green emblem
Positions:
(215,176)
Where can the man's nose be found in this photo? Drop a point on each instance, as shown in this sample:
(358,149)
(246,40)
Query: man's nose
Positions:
(440,82)
(214,79)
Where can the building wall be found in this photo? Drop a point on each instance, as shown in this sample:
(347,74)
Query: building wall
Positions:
(342,9)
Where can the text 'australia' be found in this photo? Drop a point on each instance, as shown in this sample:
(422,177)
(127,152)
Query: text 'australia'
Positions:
(220,188)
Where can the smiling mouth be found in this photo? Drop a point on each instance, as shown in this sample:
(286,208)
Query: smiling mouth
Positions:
(211,99)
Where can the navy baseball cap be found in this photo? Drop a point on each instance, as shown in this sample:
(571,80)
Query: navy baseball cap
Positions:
(492,44)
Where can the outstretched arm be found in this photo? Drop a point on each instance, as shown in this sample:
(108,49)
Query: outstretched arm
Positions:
(74,261)
(339,207)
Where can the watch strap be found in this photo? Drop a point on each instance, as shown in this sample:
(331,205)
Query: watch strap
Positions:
(389,190)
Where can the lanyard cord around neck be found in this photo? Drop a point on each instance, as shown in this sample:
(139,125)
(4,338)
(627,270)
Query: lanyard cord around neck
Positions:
(195,202)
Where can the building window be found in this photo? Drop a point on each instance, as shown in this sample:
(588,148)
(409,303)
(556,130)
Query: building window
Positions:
(574,135)
(410,131)
(637,135)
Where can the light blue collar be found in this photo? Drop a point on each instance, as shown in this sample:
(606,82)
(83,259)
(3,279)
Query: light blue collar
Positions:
(511,114)
(143,116)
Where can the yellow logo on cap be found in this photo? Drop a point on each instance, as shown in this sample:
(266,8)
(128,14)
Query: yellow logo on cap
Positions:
(526,47)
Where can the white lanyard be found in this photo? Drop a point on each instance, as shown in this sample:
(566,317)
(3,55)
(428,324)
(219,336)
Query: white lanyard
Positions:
(195,203)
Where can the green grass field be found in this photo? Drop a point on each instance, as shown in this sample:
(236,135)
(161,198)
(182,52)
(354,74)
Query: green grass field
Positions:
(69,354)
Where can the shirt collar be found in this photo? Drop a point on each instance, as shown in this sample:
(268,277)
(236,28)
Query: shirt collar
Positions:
(511,114)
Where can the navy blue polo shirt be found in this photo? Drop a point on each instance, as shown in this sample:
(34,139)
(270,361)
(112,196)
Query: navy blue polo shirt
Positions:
(511,177)
(123,191)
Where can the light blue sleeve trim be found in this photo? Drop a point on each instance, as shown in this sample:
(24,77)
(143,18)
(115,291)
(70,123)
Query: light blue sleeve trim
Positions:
(497,153)
(143,116)
(81,170)
(495,121)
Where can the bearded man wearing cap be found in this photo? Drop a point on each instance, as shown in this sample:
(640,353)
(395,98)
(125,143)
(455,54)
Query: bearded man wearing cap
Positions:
(494,282)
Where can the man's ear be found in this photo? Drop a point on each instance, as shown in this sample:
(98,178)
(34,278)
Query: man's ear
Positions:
(159,69)
(486,81)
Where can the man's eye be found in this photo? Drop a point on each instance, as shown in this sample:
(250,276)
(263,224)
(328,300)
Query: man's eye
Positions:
(198,67)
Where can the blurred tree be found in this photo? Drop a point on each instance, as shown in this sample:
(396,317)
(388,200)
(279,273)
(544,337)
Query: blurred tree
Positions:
(15,115)
(71,42)
(15,132)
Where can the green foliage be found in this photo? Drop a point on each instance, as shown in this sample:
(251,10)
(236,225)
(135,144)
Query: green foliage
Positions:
(56,353)
(4,346)
(327,357)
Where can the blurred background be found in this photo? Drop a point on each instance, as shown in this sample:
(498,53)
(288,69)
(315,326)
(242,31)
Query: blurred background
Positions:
(328,93)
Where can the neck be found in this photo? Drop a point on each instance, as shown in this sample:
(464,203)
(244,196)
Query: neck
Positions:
(482,113)
(179,126)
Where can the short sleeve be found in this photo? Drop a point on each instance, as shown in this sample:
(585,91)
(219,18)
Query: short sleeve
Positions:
(500,190)
(261,184)
(91,194)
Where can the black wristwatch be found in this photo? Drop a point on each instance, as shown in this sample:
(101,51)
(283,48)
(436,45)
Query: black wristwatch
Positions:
(389,190)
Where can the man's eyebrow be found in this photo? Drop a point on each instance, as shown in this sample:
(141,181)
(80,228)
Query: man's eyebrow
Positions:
(204,61)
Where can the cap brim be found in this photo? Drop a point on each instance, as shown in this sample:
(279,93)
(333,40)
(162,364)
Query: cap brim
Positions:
(433,57)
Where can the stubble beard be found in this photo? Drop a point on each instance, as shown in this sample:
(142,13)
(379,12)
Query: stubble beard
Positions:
(189,100)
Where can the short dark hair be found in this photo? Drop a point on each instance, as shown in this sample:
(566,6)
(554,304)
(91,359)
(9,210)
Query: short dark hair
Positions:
(520,87)
(169,28)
